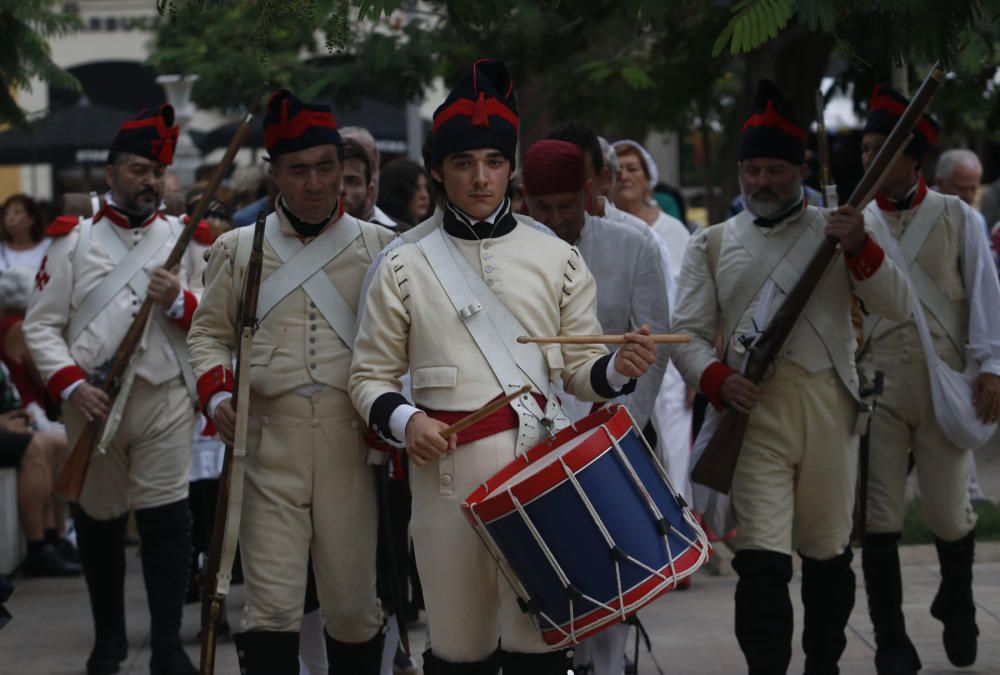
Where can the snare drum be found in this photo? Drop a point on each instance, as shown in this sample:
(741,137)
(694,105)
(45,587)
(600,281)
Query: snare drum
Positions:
(587,528)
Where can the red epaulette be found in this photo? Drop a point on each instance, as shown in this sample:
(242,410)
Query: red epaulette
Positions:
(62,226)
(202,234)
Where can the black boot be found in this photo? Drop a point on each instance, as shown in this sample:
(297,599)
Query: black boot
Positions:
(953,603)
(166,556)
(102,554)
(267,653)
(894,652)
(828,598)
(434,665)
(764,610)
(345,658)
(546,663)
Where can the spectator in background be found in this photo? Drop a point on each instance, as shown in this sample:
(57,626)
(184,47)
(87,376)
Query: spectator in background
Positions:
(958,173)
(22,234)
(37,457)
(372,213)
(403,193)
(267,192)
(356,186)
(247,184)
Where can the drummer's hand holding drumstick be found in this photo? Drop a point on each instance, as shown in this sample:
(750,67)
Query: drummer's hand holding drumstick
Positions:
(423,439)
(637,354)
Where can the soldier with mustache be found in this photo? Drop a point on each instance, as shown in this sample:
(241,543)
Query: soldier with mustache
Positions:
(90,287)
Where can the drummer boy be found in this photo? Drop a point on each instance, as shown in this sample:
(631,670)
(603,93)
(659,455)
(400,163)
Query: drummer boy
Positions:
(442,307)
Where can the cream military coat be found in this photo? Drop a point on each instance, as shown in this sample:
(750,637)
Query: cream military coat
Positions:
(293,346)
(410,324)
(725,269)
(75,265)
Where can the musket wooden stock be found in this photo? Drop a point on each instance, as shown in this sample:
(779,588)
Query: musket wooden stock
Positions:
(246,323)
(717,464)
(69,482)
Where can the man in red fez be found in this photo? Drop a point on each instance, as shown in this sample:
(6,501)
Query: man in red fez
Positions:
(89,289)
(944,247)
(308,489)
(794,483)
(631,291)
(410,323)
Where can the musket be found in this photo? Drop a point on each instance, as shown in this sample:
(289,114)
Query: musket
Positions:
(823,152)
(717,464)
(219,564)
(69,482)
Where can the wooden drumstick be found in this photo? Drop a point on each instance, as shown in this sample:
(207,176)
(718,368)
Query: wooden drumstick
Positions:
(483,412)
(660,339)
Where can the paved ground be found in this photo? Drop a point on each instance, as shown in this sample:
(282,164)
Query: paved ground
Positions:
(691,631)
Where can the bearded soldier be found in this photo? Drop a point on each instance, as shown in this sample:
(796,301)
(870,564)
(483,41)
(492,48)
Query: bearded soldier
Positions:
(88,291)
(947,255)
(794,481)
(410,324)
(307,485)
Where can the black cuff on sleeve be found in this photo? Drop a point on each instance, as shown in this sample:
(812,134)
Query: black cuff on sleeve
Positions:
(599,379)
(381,411)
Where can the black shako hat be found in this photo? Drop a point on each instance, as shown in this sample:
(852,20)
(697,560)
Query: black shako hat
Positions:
(885,109)
(151,134)
(772,130)
(291,124)
(480,112)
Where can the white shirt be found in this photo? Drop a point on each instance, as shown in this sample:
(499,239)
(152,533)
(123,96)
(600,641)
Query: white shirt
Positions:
(30,259)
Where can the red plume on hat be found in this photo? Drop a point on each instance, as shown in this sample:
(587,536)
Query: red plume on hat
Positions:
(151,134)
(885,109)
(480,112)
(292,124)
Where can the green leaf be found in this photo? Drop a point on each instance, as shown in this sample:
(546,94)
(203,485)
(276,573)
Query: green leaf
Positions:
(637,78)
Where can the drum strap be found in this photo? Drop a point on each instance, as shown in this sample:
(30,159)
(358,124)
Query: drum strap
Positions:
(495,329)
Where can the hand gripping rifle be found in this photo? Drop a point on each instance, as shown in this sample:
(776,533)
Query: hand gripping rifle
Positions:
(69,482)
(222,551)
(717,464)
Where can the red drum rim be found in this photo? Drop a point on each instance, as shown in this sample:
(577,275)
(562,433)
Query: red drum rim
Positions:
(490,505)
(596,620)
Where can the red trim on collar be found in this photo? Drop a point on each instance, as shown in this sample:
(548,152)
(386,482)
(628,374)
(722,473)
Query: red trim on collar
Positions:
(62,226)
(479,111)
(894,107)
(63,378)
(886,204)
(290,129)
(772,118)
(120,220)
(711,382)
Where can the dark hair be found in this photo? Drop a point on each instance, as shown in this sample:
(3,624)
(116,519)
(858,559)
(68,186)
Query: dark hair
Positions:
(34,211)
(396,186)
(583,137)
(354,150)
